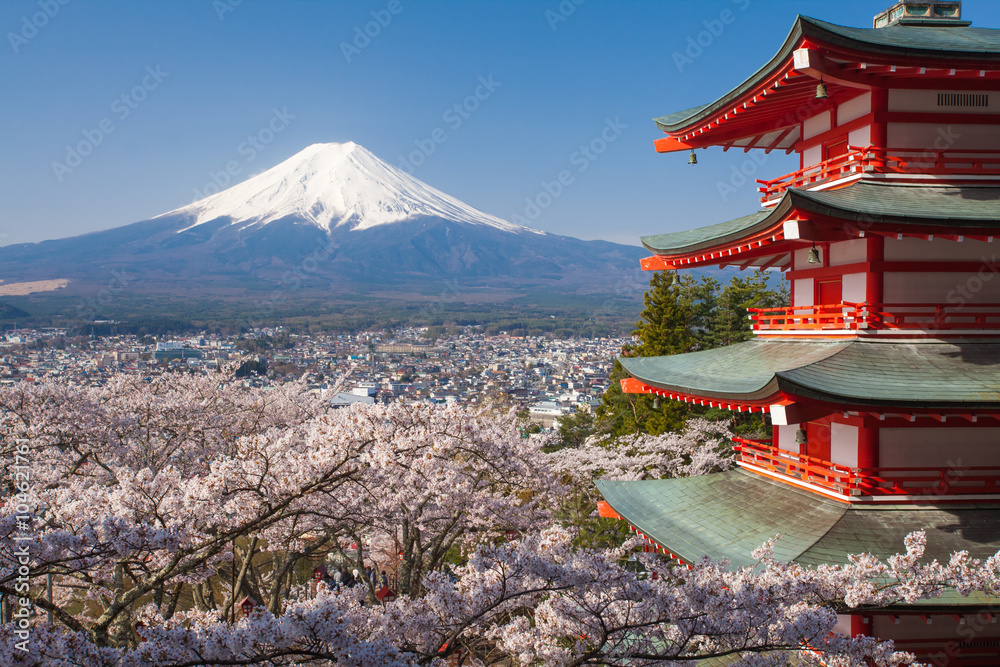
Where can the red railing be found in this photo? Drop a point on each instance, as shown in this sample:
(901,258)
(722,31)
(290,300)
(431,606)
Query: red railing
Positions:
(878,317)
(881,481)
(799,318)
(930,161)
(835,167)
(762,454)
(879,160)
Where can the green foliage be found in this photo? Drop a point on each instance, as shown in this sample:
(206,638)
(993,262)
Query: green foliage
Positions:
(574,429)
(696,314)
(721,315)
(252,367)
(666,328)
(666,320)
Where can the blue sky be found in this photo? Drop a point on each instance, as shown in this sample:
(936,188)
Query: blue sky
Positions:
(164,96)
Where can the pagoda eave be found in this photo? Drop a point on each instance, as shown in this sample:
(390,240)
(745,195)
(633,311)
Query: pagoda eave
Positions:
(850,61)
(860,209)
(735,403)
(729,514)
(856,375)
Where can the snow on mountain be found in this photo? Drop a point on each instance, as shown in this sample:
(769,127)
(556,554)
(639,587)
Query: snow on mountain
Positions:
(332,185)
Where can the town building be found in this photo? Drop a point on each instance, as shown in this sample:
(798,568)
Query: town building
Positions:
(882,379)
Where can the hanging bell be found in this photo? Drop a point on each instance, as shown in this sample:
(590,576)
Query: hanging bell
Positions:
(656,403)
(692,159)
(674,279)
(813,255)
(821,93)
(800,437)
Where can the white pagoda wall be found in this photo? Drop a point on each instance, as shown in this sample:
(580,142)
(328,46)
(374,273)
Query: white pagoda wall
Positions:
(942,287)
(939,446)
(844,444)
(846,112)
(912,99)
(925,286)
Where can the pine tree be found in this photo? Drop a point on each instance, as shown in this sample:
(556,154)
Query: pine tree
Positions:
(664,329)
(696,314)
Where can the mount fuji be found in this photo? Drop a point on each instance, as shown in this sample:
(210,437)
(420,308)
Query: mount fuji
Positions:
(335,219)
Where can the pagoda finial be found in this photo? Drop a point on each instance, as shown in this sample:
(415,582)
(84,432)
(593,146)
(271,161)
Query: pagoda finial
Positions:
(922,13)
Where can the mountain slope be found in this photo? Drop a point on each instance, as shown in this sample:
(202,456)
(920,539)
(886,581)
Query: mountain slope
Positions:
(332,217)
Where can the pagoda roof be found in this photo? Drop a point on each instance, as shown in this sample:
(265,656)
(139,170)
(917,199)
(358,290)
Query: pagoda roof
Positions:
(928,45)
(894,206)
(729,514)
(917,375)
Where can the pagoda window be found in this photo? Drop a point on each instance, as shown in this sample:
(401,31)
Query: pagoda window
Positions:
(953,288)
(933,101)
(937,250)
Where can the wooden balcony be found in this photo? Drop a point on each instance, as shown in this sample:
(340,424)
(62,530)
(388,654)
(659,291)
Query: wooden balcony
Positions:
(858,317)
(855,482)
(901,162)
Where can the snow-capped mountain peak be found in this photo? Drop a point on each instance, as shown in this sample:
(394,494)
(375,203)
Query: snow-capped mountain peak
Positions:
(332,185)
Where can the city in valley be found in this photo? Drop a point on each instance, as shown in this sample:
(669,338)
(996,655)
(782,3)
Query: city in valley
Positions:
(547,377)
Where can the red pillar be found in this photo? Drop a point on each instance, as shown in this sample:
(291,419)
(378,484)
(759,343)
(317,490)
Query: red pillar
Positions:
(874,280)
(880,104)
(861,625)
(867,446)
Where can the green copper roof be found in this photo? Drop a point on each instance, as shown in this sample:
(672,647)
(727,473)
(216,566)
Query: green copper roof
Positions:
(904,205)
(745,370)
(728,515)
(693,239)
(929,375)
(953,43)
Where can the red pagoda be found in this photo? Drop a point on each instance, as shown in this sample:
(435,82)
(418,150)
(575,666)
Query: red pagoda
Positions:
(882,379)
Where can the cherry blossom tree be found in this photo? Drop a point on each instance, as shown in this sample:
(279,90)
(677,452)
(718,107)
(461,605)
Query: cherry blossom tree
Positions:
(156,506)
(191,493)
(540,600)
(703,446)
